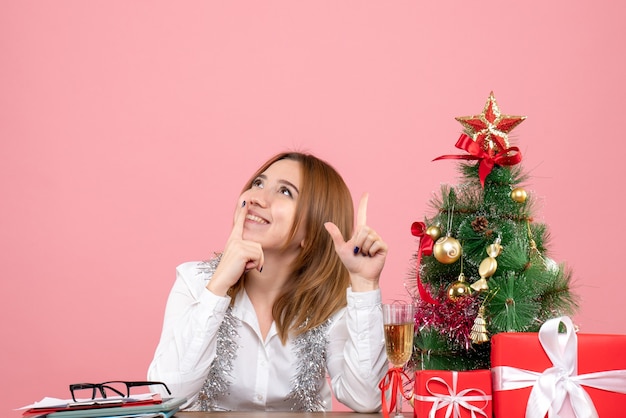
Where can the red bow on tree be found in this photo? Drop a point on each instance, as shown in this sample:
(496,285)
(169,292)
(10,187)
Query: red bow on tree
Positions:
(488,160)
(418,229)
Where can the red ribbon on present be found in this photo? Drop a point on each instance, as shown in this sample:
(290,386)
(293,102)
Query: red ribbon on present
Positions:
(393,380)
(426,248)
(560,383)
(454,400)
(488,160)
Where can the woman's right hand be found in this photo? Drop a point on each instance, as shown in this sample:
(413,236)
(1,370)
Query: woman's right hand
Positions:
(238,257)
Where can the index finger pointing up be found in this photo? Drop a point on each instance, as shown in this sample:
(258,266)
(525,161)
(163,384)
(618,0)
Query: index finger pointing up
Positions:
(240,218)
(361,217)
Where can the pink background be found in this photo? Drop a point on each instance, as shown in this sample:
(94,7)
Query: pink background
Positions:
(128,127)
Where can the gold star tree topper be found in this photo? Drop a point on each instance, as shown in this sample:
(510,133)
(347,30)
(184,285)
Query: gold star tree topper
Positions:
(490,129)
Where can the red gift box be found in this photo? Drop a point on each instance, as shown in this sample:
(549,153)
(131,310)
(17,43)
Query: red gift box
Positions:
(452,394)
(558,372)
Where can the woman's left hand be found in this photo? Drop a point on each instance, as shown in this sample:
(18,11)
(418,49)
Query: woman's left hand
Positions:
(364,254)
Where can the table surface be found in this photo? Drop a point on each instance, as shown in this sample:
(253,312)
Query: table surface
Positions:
(261,414)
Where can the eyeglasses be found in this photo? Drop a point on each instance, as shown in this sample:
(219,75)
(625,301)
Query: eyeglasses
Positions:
(118,387)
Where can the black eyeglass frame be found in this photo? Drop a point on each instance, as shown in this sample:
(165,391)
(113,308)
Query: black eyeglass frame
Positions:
(104,386)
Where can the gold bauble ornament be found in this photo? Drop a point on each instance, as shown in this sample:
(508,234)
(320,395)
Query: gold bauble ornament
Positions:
(519,195)
(447,250)
(434,231)
(459,288)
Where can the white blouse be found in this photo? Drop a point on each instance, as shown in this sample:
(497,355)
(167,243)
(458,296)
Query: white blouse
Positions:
(263,371)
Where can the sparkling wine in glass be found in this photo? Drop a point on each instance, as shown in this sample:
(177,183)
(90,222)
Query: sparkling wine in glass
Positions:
(399,323)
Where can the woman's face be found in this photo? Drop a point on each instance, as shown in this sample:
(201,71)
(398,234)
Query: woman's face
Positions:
(272,200)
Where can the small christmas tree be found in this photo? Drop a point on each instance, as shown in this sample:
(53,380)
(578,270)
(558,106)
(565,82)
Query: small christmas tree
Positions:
(482,265)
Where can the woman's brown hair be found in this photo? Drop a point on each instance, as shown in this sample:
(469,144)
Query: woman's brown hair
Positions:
(317,288)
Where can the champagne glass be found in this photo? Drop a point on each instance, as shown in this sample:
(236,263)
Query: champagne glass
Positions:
(399,323)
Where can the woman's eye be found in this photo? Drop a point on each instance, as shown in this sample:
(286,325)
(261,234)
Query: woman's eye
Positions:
(257,183)
(286,191)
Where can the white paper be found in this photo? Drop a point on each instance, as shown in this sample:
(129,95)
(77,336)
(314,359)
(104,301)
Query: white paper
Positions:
(48,402)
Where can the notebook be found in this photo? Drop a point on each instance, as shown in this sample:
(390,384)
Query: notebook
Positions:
(166,409)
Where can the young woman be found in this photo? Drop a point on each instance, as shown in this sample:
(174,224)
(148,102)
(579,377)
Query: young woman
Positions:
(290,305)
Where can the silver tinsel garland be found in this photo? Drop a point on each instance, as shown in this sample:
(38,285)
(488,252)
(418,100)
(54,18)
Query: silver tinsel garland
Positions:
(311,370)
(310,349)
(218,379)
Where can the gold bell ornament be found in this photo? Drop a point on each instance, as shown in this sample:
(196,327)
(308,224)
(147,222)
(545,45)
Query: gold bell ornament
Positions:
(488,266)
(479,334)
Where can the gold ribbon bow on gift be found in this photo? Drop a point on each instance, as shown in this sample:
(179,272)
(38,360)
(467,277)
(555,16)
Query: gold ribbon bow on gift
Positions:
(453,400)
(551,388)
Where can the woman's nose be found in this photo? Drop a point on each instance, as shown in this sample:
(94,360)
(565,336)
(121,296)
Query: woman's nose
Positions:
(258,197)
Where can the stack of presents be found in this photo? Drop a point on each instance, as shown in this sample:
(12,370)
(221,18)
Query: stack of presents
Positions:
(554,373)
